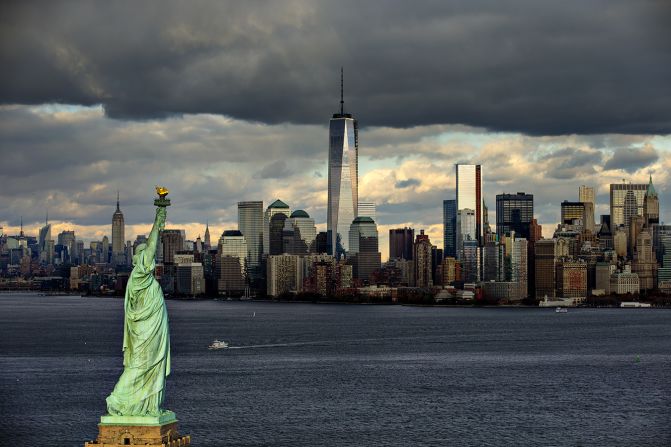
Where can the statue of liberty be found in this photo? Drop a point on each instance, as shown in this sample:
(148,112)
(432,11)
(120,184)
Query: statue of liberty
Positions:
(146,341)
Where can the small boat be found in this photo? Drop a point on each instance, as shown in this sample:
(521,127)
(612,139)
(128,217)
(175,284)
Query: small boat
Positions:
(561,310)
(217,344)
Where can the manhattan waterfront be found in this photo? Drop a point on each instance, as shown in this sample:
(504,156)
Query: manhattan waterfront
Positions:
(317,223)
(308,375)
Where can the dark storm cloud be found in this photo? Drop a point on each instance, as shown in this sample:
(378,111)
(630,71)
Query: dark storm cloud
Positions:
(569,163)
(534,67)
(632,159)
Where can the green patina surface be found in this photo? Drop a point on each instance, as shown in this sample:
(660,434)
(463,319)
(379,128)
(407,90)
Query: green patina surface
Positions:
(166,417)
(146,342)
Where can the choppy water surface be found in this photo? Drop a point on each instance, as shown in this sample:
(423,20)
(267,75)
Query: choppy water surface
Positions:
(306,375)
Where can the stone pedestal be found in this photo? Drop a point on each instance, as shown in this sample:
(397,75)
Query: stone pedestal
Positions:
(148,431)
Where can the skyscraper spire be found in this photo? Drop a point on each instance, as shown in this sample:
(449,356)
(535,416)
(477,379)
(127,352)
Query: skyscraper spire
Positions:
(117,200)
(21,232)
(46,221)
(207,233)
(342,101)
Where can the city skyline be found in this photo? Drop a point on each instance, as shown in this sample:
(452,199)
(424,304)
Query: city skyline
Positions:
(70,145)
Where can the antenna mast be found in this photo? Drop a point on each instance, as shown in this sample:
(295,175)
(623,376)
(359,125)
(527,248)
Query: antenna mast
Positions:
(342,102)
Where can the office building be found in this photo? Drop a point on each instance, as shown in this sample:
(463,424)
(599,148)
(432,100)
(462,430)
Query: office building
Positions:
(281,274)
(571,278)
(651,205)
(422,260)
(644,263)
(469,197)
(273,226)
(663,249)
(343,179)
(619,199)
(118,236)
(548,252)
(363,248)
(470,257)
(401,241)
(43,237)
(190,279)
(105,250)
(466,227)
(207,242)
(172,241)
(450,228)
(572,212)
(586,194)
(299,234)
(367,209)
(250,224)
(233,243)
(514,212)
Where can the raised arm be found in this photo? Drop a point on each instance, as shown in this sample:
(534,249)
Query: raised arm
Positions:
(152,242)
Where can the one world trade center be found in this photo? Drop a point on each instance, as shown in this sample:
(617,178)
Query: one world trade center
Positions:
(343,179)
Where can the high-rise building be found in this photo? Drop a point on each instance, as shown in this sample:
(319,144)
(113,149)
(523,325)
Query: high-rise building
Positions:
(645,264)
(401,241)
(588,216)
(275,208)
(207,242)
(363,247)
(651,205)
(586,194)
(190,279)
(465,229)
(493,261)
(250,224)
(367,209)
(281,274)
(450,228)
(321,242)
(536,234)
(571,211)
(659,233)
(44,236)
(471,261)
(571,278)
(514,212)
(172,241)
(548,253)
(618,200)
(105,254)
(118,236)
(663,245)
(299,234)
(67,239)
(232,254)
(422,260)
(469,197)
(343,179)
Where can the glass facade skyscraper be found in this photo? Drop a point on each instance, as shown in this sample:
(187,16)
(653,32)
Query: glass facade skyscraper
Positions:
(450,228)
(277,207)
(514,212)
(250,224)
(400,243)
(618,198)
(343,179)
(469,197)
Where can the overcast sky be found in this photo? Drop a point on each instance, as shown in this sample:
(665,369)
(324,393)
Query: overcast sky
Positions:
(229,101)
